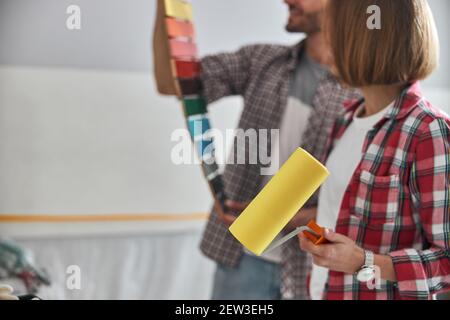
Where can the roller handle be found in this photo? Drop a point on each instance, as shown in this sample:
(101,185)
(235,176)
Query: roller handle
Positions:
(318,237)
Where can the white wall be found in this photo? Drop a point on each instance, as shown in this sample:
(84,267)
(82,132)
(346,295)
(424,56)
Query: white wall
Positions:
(116,33)
(85,141)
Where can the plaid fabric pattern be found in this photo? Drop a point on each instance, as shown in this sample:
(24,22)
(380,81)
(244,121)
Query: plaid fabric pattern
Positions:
(261,75)
(398,201)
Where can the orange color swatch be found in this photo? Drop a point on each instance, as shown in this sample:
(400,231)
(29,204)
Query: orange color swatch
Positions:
(177,28)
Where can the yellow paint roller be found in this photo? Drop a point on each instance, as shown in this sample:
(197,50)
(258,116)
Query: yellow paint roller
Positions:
(285,194)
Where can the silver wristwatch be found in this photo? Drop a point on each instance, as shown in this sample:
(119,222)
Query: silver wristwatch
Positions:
(367,271)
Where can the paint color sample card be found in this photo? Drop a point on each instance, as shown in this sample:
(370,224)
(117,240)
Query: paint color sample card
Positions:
(179,9)
(192,86)
(198,125)
(177,28)
(217,184)
(194,106)
(205,147)
(187,68)
(183,49)
(211,170)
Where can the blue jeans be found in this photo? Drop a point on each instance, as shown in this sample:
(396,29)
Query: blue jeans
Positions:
(252,279)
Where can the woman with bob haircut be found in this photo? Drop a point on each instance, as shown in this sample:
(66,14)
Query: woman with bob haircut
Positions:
(388,194)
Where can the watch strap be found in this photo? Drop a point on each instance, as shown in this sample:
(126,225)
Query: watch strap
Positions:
(369,258)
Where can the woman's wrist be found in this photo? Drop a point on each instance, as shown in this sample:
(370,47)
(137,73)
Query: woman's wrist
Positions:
(386,266)
(358,260)
(383,262)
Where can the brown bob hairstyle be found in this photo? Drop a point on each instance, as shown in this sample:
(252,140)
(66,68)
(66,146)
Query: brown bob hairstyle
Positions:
(405,49)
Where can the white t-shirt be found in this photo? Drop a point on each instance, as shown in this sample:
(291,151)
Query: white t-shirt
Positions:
(342,163)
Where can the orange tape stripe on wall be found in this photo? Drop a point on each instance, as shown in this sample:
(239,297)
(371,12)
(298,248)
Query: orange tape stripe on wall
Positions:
(22,218)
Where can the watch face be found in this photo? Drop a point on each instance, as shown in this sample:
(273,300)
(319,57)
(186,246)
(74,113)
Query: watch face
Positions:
(366,274)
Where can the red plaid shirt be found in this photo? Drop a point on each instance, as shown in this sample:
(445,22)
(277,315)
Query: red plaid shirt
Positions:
(398,201)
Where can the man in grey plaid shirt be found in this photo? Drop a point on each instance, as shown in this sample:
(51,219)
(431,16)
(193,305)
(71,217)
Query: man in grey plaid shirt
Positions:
(285,88)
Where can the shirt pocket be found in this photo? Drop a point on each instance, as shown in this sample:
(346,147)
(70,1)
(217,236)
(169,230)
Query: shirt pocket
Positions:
(376,200)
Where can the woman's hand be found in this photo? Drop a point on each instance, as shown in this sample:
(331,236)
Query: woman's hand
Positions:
(341,254)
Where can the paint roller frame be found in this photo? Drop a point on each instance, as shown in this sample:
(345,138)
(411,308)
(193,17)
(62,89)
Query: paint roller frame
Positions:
(316,233)
(312,231)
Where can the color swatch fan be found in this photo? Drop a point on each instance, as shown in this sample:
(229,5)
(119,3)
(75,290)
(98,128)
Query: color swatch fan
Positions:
(179,67)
